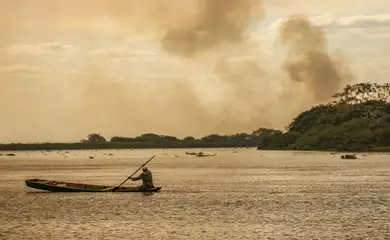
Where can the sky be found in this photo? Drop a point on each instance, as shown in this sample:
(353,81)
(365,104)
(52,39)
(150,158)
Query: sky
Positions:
(123,68)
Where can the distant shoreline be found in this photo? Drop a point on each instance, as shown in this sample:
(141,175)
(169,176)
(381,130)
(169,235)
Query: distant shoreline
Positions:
(162,145)
(113,146)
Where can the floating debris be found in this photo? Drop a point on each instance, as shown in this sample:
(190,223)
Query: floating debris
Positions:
(10,154)
(349,156)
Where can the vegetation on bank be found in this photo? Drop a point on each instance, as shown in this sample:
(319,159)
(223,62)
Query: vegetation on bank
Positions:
(148,140)
(358,119)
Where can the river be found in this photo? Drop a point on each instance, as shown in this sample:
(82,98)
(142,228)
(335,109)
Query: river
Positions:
(238,194)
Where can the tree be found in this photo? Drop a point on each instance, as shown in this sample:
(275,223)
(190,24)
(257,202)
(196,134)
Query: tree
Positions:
(96,138)
(214,138)
(122,139)
(264,132)
(169,138)
(189,138)
(363,92)
(150,137)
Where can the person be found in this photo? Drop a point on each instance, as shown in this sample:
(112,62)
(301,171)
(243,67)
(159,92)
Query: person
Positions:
(147,179)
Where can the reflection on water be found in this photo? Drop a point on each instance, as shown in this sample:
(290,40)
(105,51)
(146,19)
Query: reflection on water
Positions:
(244,195)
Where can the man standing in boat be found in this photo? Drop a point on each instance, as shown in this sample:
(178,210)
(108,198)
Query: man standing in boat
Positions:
(147,179)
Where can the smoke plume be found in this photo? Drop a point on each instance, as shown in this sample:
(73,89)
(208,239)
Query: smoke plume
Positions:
(216,22)
(308,60)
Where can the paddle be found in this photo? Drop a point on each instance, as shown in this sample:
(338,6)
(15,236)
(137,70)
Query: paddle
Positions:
(115,188)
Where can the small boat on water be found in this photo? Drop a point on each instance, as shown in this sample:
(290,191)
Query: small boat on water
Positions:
(200,154)
(57,186)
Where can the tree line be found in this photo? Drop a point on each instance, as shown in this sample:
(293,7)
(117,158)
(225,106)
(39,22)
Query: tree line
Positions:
(241,139)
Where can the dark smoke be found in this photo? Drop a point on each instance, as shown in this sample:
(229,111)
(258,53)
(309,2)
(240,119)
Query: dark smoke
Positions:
(216,22)
(308,60)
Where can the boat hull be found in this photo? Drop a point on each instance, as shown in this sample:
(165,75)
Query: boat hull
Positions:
(57,186)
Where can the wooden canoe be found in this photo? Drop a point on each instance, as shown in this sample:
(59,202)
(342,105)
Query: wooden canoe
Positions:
(57,186)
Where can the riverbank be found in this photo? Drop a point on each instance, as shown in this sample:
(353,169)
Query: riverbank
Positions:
(125,145)
(174,145)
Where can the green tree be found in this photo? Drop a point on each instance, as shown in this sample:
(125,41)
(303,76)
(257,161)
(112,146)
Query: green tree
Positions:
(363,92)
(96,138)
(358,119)
(189,138)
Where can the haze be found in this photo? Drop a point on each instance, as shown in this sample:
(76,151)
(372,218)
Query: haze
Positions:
(191,67)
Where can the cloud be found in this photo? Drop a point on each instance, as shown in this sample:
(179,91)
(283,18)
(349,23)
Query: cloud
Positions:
(362,21)
(20,69)
(365,26)
(40,49)
(120,53)
(373,68)
(357,21)
(315,3)
(379,35)
(285,7)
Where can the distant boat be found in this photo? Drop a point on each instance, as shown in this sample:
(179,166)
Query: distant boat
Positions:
(201,154)
(57,186)
(191,153)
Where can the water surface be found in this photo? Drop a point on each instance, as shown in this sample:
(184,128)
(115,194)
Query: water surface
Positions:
(238,194)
